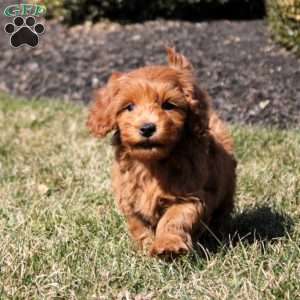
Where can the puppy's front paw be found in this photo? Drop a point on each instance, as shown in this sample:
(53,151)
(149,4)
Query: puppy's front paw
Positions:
(168,245)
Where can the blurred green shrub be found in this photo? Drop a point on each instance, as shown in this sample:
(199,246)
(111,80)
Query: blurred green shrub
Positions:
(54,7)
(284,20)
(76,11)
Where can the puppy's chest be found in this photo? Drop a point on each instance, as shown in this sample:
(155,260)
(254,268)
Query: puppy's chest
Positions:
(142,192)
(137,192)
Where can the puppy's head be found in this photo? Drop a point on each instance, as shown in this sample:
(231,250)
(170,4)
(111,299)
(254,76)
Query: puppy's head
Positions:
(150,108)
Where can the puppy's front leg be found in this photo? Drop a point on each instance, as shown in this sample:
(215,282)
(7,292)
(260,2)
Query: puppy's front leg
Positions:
(174,230)
(141,233)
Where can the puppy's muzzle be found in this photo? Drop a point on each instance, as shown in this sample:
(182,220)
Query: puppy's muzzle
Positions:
(147,130)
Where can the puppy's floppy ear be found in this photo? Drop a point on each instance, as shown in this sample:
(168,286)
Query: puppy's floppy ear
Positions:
(198,100)
(199,103)
(102,116)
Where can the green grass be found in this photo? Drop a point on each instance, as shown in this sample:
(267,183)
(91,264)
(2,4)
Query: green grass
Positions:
(62,237)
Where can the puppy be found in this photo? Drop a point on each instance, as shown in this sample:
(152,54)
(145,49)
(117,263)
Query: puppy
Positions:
(174,168)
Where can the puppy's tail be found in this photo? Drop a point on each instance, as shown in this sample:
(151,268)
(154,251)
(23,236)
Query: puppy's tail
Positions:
(177,60)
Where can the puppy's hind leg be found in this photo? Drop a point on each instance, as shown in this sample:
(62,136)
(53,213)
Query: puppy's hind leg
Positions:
(220,220)
(141,233)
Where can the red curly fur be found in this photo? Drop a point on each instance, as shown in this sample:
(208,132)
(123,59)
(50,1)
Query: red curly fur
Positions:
(170,184)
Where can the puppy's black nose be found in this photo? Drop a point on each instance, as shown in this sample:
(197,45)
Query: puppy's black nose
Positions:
(147,129)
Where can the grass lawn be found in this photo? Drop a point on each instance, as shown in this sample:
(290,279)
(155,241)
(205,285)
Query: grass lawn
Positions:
(62,237)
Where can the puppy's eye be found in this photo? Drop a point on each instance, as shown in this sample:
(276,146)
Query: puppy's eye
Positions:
(168,105)
(129,107)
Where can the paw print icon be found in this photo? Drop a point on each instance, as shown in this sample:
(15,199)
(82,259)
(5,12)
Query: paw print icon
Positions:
(24,31)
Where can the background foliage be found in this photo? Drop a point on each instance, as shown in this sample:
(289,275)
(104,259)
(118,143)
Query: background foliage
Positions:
(283,15)
(75,11)
(284,20)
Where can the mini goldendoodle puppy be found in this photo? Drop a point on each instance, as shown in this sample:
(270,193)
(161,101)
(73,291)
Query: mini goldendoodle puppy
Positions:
(174,168)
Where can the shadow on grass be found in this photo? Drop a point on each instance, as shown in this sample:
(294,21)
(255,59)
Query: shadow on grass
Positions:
(263,225)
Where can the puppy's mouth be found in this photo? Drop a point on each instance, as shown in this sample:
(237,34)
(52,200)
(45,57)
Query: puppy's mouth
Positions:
(146,150)
(148,145)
